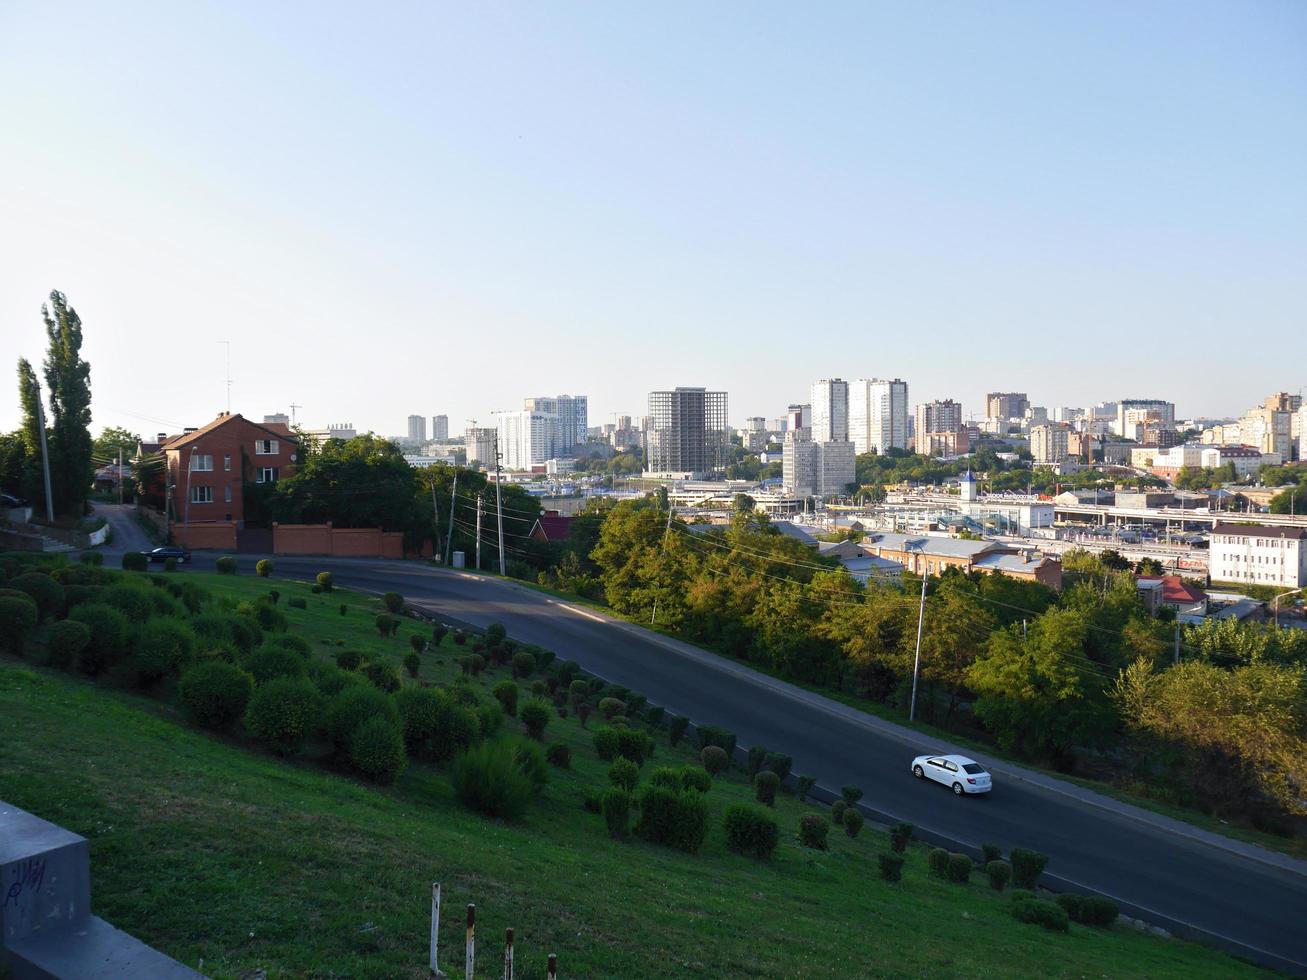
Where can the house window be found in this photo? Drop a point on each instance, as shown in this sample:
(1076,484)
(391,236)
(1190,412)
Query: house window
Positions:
(201,463)
(201,495)
(226,462)
(226,494)
(267,474)
(265,447)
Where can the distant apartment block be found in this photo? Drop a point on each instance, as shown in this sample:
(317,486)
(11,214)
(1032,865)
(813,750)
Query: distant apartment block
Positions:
(344,431)
(878,415)
(830,410)
(526,438)
(572,413)
(953,443)
(1259,555)
(1006,405)
(479,443)
(417,428)
(1048,443)
(938,416)
(1133,411)
(689,431)
(277,418)
(440,428)
(817,469)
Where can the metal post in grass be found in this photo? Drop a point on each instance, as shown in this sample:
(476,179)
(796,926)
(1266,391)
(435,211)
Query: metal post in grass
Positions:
(469,967)
(553,966)
(435,929)
(508,953)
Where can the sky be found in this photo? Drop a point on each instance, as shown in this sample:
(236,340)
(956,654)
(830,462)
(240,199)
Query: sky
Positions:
(434,208)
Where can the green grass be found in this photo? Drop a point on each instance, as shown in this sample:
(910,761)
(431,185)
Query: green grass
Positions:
(210,849)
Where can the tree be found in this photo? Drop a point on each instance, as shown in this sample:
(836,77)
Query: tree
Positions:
(25,457)
(1291,501)
(111,439)
(68,386)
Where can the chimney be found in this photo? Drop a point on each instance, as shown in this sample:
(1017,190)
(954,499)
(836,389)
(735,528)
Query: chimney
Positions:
(163,436)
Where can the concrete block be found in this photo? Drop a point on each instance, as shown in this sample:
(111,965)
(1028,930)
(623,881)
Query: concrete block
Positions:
(45,877)
(94,950)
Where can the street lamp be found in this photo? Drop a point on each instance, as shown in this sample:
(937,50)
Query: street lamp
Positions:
(921,618)
(1275,604)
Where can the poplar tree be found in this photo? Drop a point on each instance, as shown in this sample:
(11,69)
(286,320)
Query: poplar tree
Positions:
(68,383)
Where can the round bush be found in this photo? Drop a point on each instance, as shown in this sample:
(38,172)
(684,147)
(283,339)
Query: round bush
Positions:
(851,794)
(635,745)
(496,633)
(813,829)
(297,602)
(490,717)
(606,743)
(750,830)
(45,592)
(273,620)
(394,602)
(676,730)
(678,820)
(853,821)
(282,713)
(535,716)
(68,638)
(714,759)
(505,693)
(1036,911)
(488,780)
(937,861)
(530,758)
(134,561)
(226,565)
(110,634)
(899,835)
(764,787)
(383,676)
(616,807)
(133,601)
(263,568)
(325,581)
(779,764)
(990,852)
(559,755)
(162,646)
(457,729)
(524,664)
(270,662)
(215,693)
(419,712)
(18,616)
(75,595)
(382,622)
(418,643)
(837,812)
(412,663)
(624,773)
(330,679)
(349,659)
(891,866)
(696,778)
(349,709)
(1027,866)
(999,874)
(665,776)
(959,869)
(611,707)
(377,749)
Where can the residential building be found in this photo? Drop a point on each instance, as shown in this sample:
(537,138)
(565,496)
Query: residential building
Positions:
(932,554)
(343,431)
(1269,427)
(1166,462)
(798,421)
(1036,415)
(830,410)
(938,416)
(480,445)
(1006,405)
(1158,434)
(526,439)
(817,469)
(878,415)
(1247,460)
(440,428)
(209,467)
(956,442)
(551,527)
(1137,410)
(1302,433)
(1172,592)
(1258,554)
(689,431)
(1066,414)
(417,428)
(1048,442)
(280,418)
(572,412)
(754,434)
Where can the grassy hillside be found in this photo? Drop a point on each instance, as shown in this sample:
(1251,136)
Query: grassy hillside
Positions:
(213,850)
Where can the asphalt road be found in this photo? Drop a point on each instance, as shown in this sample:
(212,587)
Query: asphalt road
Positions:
(1108,848)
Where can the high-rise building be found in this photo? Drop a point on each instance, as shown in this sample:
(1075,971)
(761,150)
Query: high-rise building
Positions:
(817,469)
(1048,443)
(1006,405)
(480,443)
(878,415)
(755,434)
(526,438)
(938,416)
(440,428)
(830,410)
(572,412)
(279,417)
(417,428)
(689,431)
(1133,411)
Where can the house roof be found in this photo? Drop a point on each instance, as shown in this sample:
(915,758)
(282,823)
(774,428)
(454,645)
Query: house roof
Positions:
(554,527)
(792,530)
(1012,564)
(930,544)
(1260,531)
(275,429)
(871,563)
(1174,589)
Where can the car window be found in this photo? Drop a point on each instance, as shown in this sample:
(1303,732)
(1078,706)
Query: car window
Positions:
(935,762)
(972,768)
(950,767)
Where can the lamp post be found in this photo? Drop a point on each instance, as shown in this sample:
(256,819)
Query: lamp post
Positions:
(921,618)
(1275,604)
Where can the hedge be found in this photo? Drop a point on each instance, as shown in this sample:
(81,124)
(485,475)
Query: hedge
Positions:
(750,830)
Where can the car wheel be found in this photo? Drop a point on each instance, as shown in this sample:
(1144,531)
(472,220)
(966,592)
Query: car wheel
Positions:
(957,789)
(916,771)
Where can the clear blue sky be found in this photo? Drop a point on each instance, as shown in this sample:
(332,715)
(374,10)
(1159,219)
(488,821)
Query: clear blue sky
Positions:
(442,208)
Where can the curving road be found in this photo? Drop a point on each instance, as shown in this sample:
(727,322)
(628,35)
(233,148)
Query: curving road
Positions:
(1240,896)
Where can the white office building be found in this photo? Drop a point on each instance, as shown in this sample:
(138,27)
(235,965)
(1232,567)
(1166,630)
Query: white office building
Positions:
(572,414)
(830,410)
(1132,411)
(878,415)
(1259,555)
(817,469)
(526,438)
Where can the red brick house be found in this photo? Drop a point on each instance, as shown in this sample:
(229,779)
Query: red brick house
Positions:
(551,527)
(207,471)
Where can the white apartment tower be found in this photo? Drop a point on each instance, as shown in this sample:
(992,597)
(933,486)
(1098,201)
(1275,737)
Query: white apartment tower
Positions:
(440,428)
(938,416)
(830,410)
(526,438)
(572,412)
(689,431)
(878,415)
(417,428)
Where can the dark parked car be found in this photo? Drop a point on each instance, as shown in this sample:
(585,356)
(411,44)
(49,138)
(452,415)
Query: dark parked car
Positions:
(163,554)
(9,500)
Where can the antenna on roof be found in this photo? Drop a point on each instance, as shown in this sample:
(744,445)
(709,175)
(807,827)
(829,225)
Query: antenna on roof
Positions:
(227,344)
(293,406)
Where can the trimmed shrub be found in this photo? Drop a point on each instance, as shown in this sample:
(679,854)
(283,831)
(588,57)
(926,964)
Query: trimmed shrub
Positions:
(349,659)
(530,758)
(853,821)
(754,763)
(959,869)
(383,676)
(419,713)
(937,861)
(18,616)
(75,595)
(170,564)
(803,786)
(133,601)
(837,812)
(899,835)
(67,639)
(377,750)
(473,664)
(226,565)
(349,709)
(263,568)
(676,730)
(1036,911)
(460,637)
(665,776)
(292,644)
(274,596)
(606,743)
(93,558)
(999,873)
(1027,866)
(750,830)
(990,852)
(635,745)
(591,800)
(488,779)
(583,713)
(490,717)
(330,679)
(891,866)
(269,662)
(505,693)
(578,691)
(110,634)
(215,693)
(723,739)
(457,729)
(134,561)
(418,643)
(523,664)
(325,581)
(779,764)
(559,755)
(1089,910)
(535,717)
(282,713)
(45,592)
(851,794)
(625,774)
(161,647)
(764,788)
(344,609)
(616,807)
(695,778)
(714,759)
(412,663)
(813,829)
(382,622)
(394,602)
(315,588)
(611,707)
(297,602)
(495,632)
(539,688)
(676,819)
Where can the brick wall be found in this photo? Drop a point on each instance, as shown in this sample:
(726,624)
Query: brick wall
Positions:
(216,535)
(341,542)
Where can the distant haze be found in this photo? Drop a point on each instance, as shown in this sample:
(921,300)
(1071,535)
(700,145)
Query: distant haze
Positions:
(443,208)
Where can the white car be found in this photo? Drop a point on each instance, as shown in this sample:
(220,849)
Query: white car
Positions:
(960,774)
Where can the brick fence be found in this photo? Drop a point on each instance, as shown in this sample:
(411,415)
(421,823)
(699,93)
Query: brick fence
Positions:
(337,542)
(216,535)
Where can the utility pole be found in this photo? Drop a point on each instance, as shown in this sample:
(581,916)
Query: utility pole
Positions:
(435,513)
(293,406)
(499,505)
(453,503)
(479,500)
(666,531)
(227,344)
(120,475)
(45,456)
(921,618)
(1176,658)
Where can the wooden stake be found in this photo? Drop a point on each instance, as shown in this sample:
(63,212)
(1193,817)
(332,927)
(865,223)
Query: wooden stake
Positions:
(470,966)
(508,953)
(435,929)
(553,966)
